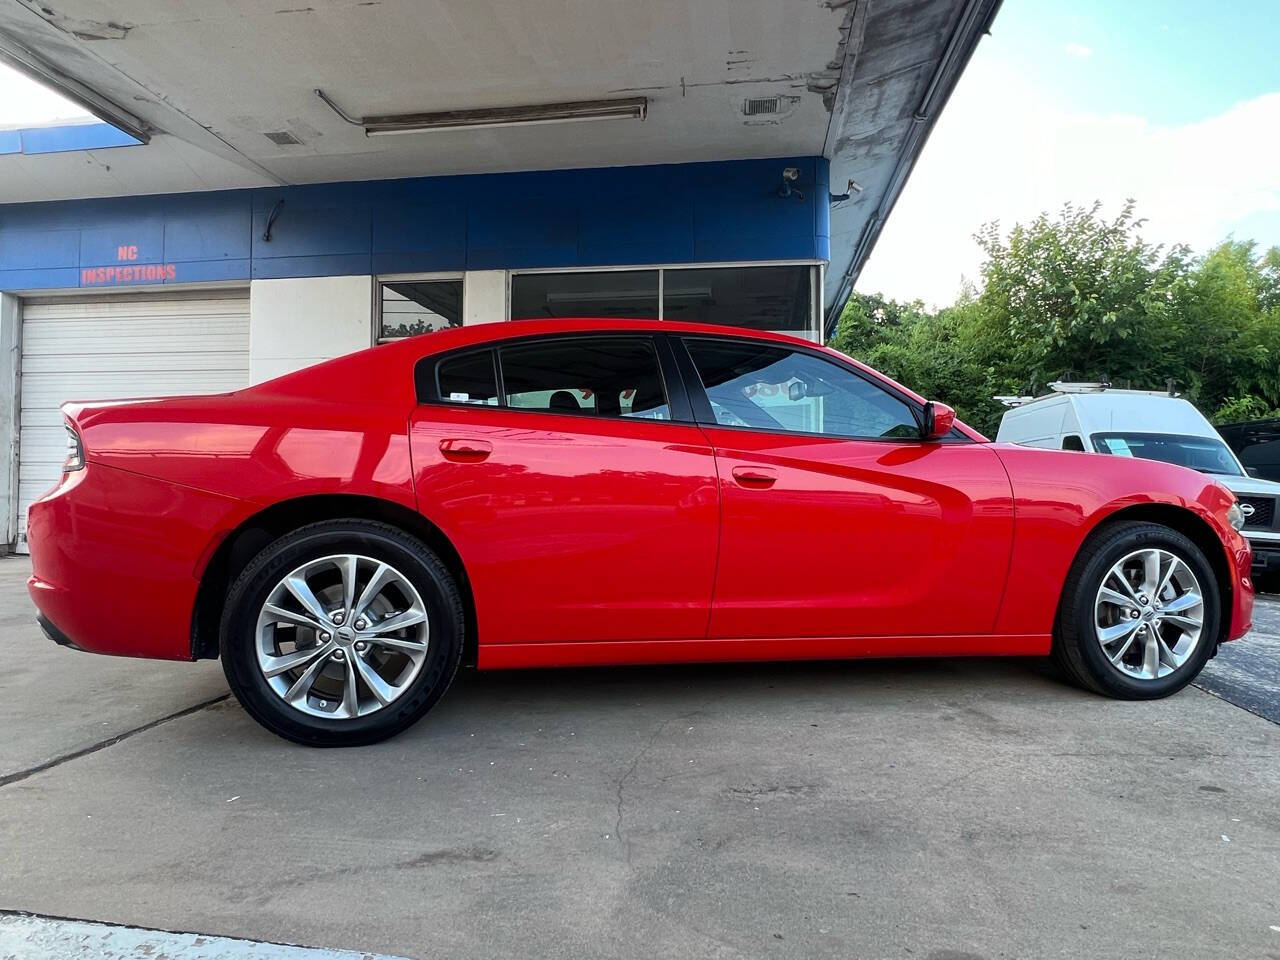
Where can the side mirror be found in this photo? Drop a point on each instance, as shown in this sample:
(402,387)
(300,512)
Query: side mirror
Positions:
(938,421)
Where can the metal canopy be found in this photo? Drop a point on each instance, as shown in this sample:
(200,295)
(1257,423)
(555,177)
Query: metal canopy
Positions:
(226,90)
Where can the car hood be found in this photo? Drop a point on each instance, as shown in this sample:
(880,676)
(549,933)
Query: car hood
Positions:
(1249,486)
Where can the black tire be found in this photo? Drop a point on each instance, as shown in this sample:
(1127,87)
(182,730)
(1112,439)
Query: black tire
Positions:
(378,541)
(1076,650)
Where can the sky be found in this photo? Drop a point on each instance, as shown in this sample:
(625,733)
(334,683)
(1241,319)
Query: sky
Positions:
(1175,104)
(24,102)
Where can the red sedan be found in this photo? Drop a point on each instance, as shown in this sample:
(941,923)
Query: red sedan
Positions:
(564,492)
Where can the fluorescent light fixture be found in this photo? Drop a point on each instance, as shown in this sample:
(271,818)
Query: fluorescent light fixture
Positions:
(601,296)
(686,293)
(630,108)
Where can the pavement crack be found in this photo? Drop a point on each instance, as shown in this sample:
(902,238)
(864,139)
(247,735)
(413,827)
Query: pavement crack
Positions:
(111,741)
(631,770)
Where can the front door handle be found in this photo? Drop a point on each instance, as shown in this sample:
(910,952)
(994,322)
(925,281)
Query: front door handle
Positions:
(755,478)
(465,451)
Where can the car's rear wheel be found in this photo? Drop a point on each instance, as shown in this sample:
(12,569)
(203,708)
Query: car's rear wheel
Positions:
(342,633)
(1139,614)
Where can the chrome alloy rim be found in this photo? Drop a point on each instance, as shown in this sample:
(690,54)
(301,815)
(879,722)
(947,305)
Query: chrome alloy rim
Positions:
(342,637)
(1149,614)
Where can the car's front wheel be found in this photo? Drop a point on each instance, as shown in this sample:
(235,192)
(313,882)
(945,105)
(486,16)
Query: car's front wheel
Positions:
(342,633)
(1139,615)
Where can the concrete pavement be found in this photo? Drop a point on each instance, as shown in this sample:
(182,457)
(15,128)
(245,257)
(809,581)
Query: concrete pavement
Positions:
(55,701)
(1248,673)
(944,809)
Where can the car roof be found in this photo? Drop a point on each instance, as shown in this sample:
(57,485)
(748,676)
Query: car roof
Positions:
(369,366)
(453,337)
(1114,411)
(457,337)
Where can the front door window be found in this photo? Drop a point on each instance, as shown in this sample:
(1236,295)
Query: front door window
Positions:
(776,388)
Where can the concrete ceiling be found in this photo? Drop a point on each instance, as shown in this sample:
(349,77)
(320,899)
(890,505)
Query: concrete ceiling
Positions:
(222,75)
(213,78)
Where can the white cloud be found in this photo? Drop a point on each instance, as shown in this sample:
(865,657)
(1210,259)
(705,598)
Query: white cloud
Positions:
(23,102)
(1079,50)
(1004,151)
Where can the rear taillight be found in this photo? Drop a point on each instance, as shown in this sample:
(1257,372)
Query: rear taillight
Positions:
(75,451)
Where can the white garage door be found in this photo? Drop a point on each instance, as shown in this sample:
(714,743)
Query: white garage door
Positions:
(117,346)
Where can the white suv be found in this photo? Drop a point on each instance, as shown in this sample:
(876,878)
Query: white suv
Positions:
(1155,426)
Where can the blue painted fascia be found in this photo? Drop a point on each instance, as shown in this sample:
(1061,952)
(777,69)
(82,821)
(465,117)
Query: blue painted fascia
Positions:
(671,213)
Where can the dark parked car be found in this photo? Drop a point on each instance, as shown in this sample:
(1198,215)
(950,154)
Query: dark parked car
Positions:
(1257,444)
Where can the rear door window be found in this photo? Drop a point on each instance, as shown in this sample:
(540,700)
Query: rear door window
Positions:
(468,378)
(592,376)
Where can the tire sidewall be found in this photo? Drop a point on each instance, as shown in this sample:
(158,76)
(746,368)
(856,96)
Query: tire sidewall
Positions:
(378,542)
(1083,613)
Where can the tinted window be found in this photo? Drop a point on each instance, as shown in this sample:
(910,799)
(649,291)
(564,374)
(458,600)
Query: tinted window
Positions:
(607,293)
(758,298)
(1263,458)
(774,388)
(415,307)
(755,297)
(1072,442)
(468,378)
(606,376)
(1257,444)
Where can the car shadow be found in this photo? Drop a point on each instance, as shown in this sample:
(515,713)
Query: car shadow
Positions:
(887,680)
(845,671)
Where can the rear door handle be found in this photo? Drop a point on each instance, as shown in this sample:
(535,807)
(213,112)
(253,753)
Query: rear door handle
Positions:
(754,478)
(465,451)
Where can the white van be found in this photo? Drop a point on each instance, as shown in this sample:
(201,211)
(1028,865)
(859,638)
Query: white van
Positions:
(1155,426)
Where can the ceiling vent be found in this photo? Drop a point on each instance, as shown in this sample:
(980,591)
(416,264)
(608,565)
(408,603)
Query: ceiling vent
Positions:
(283,138)
(759,106)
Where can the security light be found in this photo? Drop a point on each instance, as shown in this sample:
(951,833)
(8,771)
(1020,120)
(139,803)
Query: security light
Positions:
(787,191)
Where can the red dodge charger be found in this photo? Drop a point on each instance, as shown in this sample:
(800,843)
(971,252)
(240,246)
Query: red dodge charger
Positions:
(564,492)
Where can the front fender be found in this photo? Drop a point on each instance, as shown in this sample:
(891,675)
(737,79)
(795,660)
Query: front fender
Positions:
(1061,497)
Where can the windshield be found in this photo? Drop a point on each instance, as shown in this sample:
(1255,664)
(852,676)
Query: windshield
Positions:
(1206,454)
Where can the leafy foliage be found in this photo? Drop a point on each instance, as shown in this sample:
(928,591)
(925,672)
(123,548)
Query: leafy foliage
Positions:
(1240,409)
(1077,296)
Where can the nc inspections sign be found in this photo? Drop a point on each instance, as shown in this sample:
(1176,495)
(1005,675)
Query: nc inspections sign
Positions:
(127,271)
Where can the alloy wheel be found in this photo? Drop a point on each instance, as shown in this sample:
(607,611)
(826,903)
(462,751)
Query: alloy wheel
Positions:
(1149,614)
(342,636)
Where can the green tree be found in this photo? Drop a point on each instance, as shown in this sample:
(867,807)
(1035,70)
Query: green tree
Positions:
(1078,296)
(948,355)
(1239,409)
(1216,342)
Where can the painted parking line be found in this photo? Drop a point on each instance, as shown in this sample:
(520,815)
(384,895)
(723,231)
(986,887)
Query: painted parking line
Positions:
(27,937)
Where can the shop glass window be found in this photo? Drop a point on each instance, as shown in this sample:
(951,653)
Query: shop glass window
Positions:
(758,298)
(773,388)
(413,307)
(607,293)
(601,376)
(467,378)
